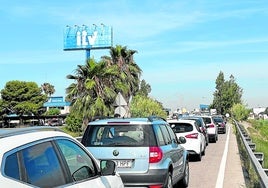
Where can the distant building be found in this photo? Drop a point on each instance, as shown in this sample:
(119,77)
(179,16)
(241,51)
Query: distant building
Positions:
(258,110)
(58,102)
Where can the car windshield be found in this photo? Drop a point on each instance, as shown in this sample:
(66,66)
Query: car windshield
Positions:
(117,135)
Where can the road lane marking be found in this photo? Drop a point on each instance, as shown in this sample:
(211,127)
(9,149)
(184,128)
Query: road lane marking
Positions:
(220,178)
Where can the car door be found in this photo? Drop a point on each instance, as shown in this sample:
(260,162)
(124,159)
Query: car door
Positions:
(84,169)
(177,153)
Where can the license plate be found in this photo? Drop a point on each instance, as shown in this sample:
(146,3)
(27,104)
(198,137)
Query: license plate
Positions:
(123,163)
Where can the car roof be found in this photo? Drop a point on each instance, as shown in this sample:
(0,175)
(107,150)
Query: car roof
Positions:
(11,138)
(129,121)
(181,121)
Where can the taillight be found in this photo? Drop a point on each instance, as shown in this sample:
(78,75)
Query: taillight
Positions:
(193,135)
(156,186)
(211,125)
(155,155)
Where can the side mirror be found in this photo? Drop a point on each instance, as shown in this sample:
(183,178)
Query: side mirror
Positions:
(107,167)
(182,140)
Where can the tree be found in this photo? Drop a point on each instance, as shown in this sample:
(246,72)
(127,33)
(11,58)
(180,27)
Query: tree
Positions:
(96,84)
(142,106)
(226,95)
(93,90)
(129,71)
(218,94)
(48,89)
(22,98)
(239,112)
(52,112)
(145,88)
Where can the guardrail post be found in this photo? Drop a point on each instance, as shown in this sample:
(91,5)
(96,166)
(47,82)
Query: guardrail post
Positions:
(252,146)
(260,157)
(266,171)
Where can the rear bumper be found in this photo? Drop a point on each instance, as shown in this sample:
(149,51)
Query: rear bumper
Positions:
(222,129)
(211,136)
(152,177)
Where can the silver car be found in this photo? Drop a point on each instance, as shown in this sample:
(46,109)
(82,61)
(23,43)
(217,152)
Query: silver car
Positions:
(146,150)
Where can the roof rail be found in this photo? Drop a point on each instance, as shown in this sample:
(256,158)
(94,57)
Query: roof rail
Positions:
(6,132)
(152,118)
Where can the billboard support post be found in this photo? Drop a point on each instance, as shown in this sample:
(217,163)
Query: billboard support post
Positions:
(87,54)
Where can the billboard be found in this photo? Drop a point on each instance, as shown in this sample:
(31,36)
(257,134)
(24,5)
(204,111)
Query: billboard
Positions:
(87,37)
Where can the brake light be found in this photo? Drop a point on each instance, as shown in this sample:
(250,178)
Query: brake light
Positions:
(155,154)
(211,125)
(193,135)
(156,186)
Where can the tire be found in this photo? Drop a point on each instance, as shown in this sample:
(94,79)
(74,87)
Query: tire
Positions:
(169,182)
(185,180)
(204,151)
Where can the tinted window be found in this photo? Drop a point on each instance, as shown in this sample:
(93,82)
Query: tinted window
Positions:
(218,120)
(11,166)
(181,127)
(42,166)
(207,120)
(159,135)
(117,135)
(172,135)
(80,164)
(165,134)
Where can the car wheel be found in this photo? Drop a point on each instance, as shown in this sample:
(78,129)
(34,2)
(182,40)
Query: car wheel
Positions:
(199,155)
(169,183)
(185,180)
(204,151)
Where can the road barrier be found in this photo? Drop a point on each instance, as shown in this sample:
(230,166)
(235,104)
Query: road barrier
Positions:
(256,158)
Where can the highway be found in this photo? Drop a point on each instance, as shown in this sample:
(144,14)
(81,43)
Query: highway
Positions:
(220,167)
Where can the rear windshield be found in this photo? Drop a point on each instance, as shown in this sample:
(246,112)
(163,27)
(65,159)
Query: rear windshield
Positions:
(218,120)
(117,135)
(207,120)
(181,127)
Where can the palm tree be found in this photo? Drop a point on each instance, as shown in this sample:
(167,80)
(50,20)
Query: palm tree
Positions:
(129,71)
(93,91)
(48,89)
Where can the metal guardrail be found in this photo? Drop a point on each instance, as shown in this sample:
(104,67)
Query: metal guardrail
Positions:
(255,157)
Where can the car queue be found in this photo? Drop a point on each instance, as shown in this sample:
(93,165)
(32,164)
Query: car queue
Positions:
(116,152)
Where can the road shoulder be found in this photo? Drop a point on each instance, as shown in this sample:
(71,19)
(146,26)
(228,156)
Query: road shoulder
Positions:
(233,176)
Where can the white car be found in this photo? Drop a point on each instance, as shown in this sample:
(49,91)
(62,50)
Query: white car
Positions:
(47,157)
(195,139)
(212,128)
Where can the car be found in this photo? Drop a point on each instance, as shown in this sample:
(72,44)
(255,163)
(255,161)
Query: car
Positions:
(44,156)
(195,139)
(212,128)
(200,122)
(146,150)
(220,123)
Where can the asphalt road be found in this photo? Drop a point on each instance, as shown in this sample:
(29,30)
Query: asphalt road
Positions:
(221,165)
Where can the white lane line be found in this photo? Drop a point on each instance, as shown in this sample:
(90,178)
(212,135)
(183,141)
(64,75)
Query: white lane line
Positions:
(220,178)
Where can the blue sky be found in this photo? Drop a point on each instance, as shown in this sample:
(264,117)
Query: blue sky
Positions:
(182,44)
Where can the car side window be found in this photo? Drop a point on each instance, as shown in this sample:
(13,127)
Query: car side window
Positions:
(11,166)
(172,134)
(42,165)
(159,135)
(79,162)
(166,134)
(37,165)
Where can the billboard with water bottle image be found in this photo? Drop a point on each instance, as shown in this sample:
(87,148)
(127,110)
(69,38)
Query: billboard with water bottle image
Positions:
(87,37)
